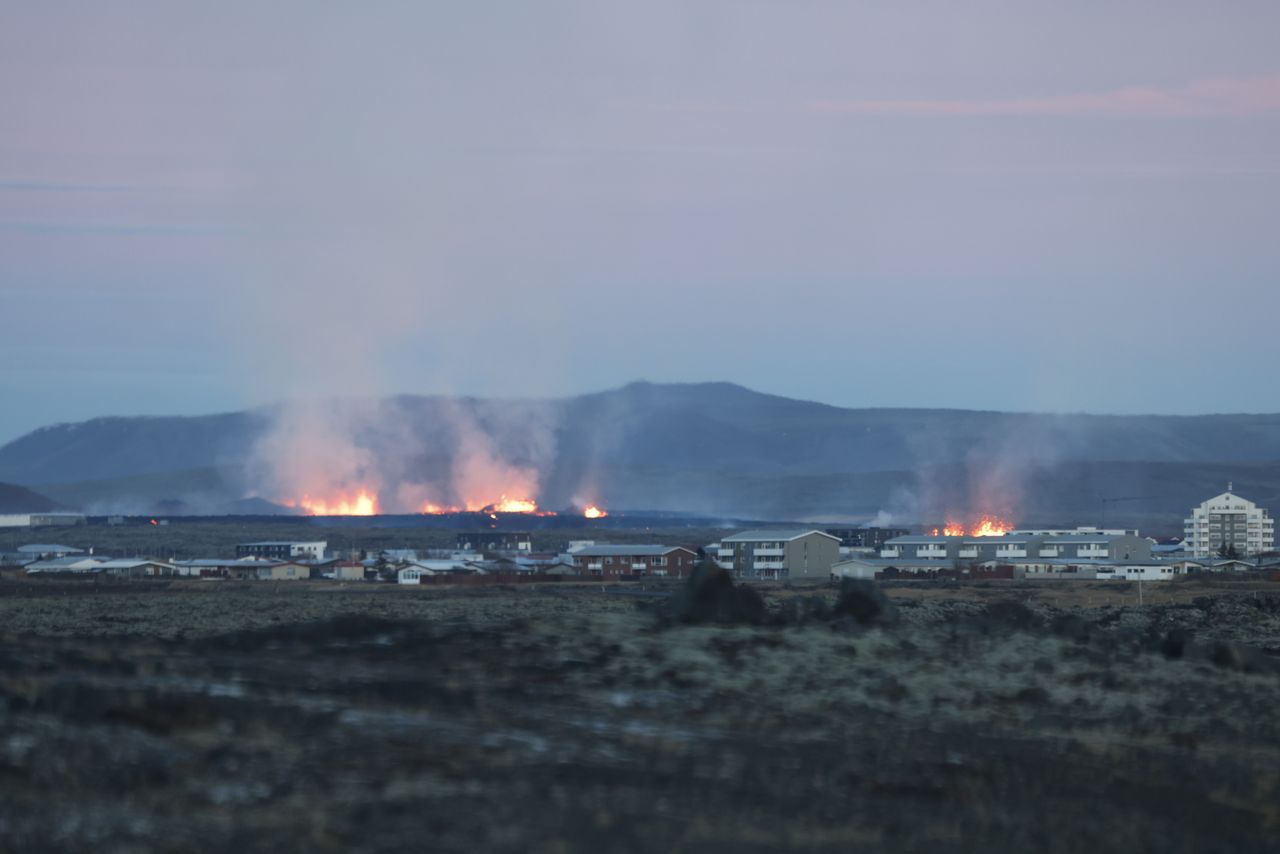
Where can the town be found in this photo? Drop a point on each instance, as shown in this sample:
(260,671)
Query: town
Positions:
(1226,534)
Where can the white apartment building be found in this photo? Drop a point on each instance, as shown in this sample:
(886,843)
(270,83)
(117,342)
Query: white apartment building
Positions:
(1226,521)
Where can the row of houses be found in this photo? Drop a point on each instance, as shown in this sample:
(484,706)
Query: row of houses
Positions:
(49,519)
(231,568)
(1078,553)
(1050,568)
(1072,544)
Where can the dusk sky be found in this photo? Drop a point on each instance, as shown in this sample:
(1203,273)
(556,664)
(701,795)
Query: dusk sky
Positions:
(997,205)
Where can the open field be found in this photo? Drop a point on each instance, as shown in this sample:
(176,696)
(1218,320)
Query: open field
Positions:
(1006,716)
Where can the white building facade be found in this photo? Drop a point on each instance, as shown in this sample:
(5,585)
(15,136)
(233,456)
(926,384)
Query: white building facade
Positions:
(1228,522)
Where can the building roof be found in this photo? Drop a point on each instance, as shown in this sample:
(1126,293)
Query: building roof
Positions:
(48,548)
(130,563)
(215,562)
(629,551)
(1001,540)
(68,562)
(919,540)
(945,563)
(936,563)
(1083,561)
(437,565)
(286,543)
(779,534)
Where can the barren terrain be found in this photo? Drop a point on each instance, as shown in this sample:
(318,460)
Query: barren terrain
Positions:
(220,717)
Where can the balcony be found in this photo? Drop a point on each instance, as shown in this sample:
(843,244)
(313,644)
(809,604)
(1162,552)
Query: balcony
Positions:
(972,552)
(769,552)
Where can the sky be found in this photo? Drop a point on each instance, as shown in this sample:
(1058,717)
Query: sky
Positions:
(997,205)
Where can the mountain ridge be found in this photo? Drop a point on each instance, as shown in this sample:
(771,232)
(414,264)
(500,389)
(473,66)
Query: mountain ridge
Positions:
(707,447)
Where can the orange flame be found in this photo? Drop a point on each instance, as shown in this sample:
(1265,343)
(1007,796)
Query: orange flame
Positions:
(990,526)
(361,504)
(430,509)
(593,512)
(514,505)
(502,505)
(985,526)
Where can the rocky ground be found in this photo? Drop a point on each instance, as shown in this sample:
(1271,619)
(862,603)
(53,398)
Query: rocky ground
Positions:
(1002,716)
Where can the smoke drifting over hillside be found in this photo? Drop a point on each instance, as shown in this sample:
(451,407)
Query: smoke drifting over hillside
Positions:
(361,456)
(361,262)
(992,474)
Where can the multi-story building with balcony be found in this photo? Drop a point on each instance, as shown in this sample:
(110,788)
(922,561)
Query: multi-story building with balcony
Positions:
(612,561)
(773,554)
(283,549)
(1102,545)
(1228,524)
(869,537)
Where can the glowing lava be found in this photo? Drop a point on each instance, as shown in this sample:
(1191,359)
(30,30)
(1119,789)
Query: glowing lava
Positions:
(986,526)
(593,512)
(513,505)
(502,505)
(990,526)
(343,504)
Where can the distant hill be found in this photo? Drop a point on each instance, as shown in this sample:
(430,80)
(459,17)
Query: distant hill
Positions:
(711,448)
(19,499)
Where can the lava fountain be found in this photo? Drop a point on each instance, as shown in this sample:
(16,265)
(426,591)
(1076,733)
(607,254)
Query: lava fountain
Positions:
(985,526)
(361,503)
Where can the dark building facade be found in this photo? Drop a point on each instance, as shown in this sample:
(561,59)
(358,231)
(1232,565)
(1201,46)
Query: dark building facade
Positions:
(865,537)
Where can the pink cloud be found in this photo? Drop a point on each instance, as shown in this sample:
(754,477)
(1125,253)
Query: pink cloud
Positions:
(1218,97)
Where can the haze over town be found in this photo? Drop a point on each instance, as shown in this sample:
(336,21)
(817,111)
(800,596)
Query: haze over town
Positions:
(1026,207)
(579,426)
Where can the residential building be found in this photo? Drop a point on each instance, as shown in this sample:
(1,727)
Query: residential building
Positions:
(411,575)
(869,537)
(1229,525)
(41,520)
(345,571)
(1060,569)
(283,549)
(496,541)
(1104,545)
(238,568)
(1068,532)
(286,571)
(922,547)
(1101,569)
(607,561)
(15,560)
(778,554)
(1015,546)
(135,568)
(48,550)
(70,563)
